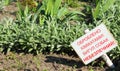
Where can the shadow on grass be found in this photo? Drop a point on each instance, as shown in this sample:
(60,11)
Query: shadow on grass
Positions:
(64,61)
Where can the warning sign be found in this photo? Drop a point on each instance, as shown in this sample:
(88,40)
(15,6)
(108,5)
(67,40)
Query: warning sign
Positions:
(94,44)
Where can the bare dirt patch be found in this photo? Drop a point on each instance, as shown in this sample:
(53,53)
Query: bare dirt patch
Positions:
(46,62)
(42,62)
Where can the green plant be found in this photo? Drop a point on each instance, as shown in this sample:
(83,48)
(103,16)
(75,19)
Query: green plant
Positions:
(6,2)
(49,10)
(23,15)
(45,31)
(32,38)
(45,70)
(112,18)
(3,3)
(19,64)
(72,3)
(102,7)
(53,10)
(91,69)
(37,62)
(7,39)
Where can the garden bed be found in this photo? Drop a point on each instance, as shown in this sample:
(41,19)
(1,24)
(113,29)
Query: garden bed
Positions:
(51,38)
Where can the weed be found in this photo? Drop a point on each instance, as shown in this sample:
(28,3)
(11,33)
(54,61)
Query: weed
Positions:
(91,69)
(37,62)
(45,70)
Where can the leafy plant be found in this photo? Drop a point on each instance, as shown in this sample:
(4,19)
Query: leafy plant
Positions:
(49,10)
(91,69)
(30,37)
(24,15)
(3,3)
(6,2)
(54,10)
(72,3)
(102,7)
(49,30)
(112,19)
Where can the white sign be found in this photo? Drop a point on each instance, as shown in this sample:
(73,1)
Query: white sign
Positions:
(94,44)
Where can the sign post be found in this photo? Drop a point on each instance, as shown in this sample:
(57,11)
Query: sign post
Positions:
(94,44)
(108,61)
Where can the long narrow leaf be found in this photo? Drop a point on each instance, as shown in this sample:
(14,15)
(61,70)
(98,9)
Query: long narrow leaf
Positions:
(96,12)
(104,7)
(57,6)
(108,4)
(49,7)
(62,12)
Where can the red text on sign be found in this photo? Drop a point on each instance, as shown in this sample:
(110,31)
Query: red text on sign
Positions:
(95,46)
(98,51)
(92,41)
(88,37)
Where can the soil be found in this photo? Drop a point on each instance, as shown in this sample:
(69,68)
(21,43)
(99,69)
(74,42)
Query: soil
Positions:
(46,62)
(43,62)
(8,11)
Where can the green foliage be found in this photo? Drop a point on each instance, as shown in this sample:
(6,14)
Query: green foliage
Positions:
(23,15)
(48,29)
(102,7)
(52,7)
(6,2)
(30,37)
(49,10)
(54,10)
(41,31)
(91,69)
(72,3)
(112,19)
(3,3)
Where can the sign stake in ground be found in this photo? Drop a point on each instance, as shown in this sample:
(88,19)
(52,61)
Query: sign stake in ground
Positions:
(94,44)
(108,61)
